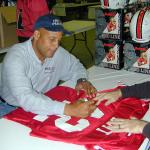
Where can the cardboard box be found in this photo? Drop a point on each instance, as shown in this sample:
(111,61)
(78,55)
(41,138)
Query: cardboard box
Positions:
(137,57)
(109,23)
(109,54)
(8,35)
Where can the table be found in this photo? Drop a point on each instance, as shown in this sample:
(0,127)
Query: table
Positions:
(14,136)
(91,11)
(60,8)
(79,26)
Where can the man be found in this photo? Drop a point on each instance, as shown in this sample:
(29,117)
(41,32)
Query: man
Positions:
(37,65)
(127,125)
(28,12)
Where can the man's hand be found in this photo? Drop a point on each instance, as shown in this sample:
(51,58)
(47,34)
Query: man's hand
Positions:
(87,87)
(126,125)
(109,96)
(80,109)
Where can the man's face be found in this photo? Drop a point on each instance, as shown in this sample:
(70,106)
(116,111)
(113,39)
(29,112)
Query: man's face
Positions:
(46,43)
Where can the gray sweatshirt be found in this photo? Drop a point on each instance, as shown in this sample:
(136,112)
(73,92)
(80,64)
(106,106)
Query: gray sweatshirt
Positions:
(25,78)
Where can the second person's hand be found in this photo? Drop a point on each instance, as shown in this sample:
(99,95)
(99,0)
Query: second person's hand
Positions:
(109,96)
(132,125)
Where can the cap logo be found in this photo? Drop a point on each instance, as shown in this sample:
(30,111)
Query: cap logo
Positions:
(50,23)
(56,22)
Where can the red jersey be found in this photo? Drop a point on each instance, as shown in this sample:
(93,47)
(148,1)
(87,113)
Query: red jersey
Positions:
(27,13)
(88,131)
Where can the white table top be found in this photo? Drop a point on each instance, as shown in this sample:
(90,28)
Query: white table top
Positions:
(14,136)
(104,78)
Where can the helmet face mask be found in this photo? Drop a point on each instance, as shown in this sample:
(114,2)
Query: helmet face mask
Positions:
(140,26)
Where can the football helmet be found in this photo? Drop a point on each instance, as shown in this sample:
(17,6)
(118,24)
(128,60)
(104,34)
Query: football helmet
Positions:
(140,26)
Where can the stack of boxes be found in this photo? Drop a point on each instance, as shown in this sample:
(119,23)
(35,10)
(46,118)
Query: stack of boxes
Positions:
(137,54)
(109,38)
(114,46)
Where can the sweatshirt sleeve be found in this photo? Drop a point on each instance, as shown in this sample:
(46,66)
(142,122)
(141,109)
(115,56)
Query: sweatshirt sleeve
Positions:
(141,90)
(72,69)
(146,131)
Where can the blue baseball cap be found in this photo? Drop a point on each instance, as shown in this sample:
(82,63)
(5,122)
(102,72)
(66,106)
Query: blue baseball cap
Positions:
(51,23)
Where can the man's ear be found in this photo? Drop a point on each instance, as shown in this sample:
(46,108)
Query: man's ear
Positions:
(36,34)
